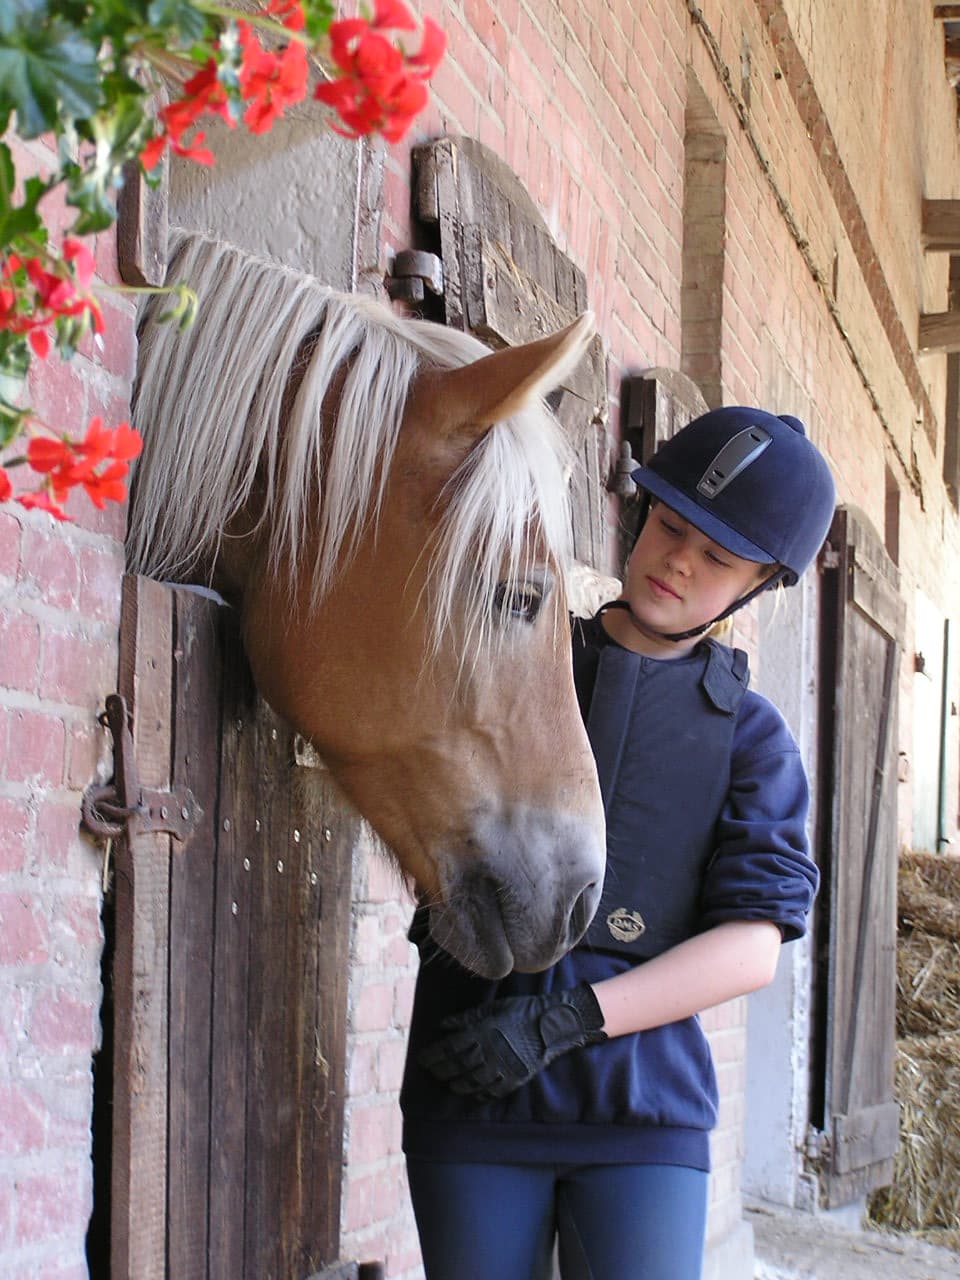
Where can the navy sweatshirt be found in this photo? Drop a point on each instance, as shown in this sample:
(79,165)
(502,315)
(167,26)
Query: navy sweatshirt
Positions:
(648,1097)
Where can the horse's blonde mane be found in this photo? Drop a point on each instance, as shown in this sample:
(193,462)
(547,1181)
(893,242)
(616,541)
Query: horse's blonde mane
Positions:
(212,408)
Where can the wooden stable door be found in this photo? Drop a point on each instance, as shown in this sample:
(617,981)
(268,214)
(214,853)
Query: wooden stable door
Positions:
(507,282)
(230,969)
(853,1107)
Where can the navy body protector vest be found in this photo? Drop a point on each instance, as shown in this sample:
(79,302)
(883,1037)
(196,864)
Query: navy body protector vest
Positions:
(662,736)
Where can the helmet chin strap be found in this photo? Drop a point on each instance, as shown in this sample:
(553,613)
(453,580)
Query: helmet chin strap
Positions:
(698,631)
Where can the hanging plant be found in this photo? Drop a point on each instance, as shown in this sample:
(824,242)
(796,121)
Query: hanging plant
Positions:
(87,72)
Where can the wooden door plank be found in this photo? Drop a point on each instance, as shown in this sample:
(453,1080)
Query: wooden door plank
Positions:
(139,1184)
(334,829)
(237,821)
(273,1137)
(858,797)
(196,755)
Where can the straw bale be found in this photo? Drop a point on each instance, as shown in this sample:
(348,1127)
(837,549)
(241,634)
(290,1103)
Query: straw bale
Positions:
(928,894)
(924,1197)
(925,1193)
(939,872)
(928,984)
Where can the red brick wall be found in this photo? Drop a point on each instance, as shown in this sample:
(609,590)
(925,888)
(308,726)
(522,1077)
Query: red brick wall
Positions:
(58,629)
(822,275)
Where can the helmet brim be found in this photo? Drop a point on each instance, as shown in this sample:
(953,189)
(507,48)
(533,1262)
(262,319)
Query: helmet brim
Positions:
(707,523)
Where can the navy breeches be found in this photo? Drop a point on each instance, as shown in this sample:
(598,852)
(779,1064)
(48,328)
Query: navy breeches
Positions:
(635,1222)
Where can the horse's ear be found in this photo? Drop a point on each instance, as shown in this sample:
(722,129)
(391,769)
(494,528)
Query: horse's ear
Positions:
(471,399)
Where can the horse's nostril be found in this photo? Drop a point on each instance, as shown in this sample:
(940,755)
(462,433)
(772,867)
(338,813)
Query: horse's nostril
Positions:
(583,910)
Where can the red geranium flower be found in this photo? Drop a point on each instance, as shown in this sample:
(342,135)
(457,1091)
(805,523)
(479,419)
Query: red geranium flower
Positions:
(269,82)
(382,87)
(289,12)
(41,501)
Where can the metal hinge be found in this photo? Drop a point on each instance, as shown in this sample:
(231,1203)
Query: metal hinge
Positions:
(830,556)
(817,1148)
(124,807)
(413,271)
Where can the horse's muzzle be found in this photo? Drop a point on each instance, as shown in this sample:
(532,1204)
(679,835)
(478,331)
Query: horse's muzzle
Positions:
(522,896)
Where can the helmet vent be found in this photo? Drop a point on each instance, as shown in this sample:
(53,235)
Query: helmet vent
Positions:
(735,456)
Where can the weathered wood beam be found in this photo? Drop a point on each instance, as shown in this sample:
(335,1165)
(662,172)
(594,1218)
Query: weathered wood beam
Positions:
(939,331)
(940,226)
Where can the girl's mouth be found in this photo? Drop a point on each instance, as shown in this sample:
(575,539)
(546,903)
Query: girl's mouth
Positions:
(661,589)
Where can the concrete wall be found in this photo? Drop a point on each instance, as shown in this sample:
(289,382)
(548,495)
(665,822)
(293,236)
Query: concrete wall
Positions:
(834,124)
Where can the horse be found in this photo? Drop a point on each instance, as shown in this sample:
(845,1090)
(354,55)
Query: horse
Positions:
(385,502)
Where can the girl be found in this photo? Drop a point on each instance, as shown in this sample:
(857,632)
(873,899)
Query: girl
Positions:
(575,1105)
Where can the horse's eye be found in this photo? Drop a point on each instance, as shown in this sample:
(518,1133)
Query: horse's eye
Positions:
(518,600)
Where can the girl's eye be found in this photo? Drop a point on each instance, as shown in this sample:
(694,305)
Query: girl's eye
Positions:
(520,601)
(717,560)
(673,529)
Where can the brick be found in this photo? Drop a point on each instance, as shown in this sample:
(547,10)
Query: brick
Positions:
(390,1060)
(85,744)
(77,925)
(21,1121)
(23,930)
(59,837)
(57,391)
(50,571)
(373,1132)
(403,1000)
(118,351)
(7,1204)
(62,1023)
(10,532)
(19,651)
(101,572)
(77,669)
(363,1070)
(52,1204)
(384,880)
(15,826)
(35,751)
(374,1008)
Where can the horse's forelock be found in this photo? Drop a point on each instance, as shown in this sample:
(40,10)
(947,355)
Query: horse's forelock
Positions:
(213,406)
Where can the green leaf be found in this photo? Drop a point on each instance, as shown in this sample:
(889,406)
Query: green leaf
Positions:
(48,69)
(178,16)
(117,135)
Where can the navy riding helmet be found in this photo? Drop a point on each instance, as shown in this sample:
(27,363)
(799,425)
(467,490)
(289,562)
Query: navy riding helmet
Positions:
(750,481)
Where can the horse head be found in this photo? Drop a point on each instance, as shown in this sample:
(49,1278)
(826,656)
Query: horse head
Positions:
(398,554)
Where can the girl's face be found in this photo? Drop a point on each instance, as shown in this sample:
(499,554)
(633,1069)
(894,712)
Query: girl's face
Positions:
(677,578)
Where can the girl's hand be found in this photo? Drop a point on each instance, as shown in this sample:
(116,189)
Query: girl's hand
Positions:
(498,1047)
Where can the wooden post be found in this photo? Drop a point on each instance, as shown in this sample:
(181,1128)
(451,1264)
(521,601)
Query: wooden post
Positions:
(939,331)
(139,1193)
(941,224)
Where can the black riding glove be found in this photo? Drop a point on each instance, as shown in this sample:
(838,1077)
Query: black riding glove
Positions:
(496,1048)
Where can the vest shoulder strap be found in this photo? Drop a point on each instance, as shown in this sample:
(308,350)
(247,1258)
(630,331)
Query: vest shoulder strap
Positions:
(726,676)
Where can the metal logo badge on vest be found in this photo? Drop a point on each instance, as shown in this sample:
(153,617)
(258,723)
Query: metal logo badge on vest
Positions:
(626,925)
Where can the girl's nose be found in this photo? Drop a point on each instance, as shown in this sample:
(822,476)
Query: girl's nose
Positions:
(677,561)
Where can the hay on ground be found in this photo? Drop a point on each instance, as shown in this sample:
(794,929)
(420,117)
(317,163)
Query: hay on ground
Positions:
(924,1197)
(925,1193)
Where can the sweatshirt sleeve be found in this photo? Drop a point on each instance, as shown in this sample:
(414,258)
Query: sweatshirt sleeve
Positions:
(761,868)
